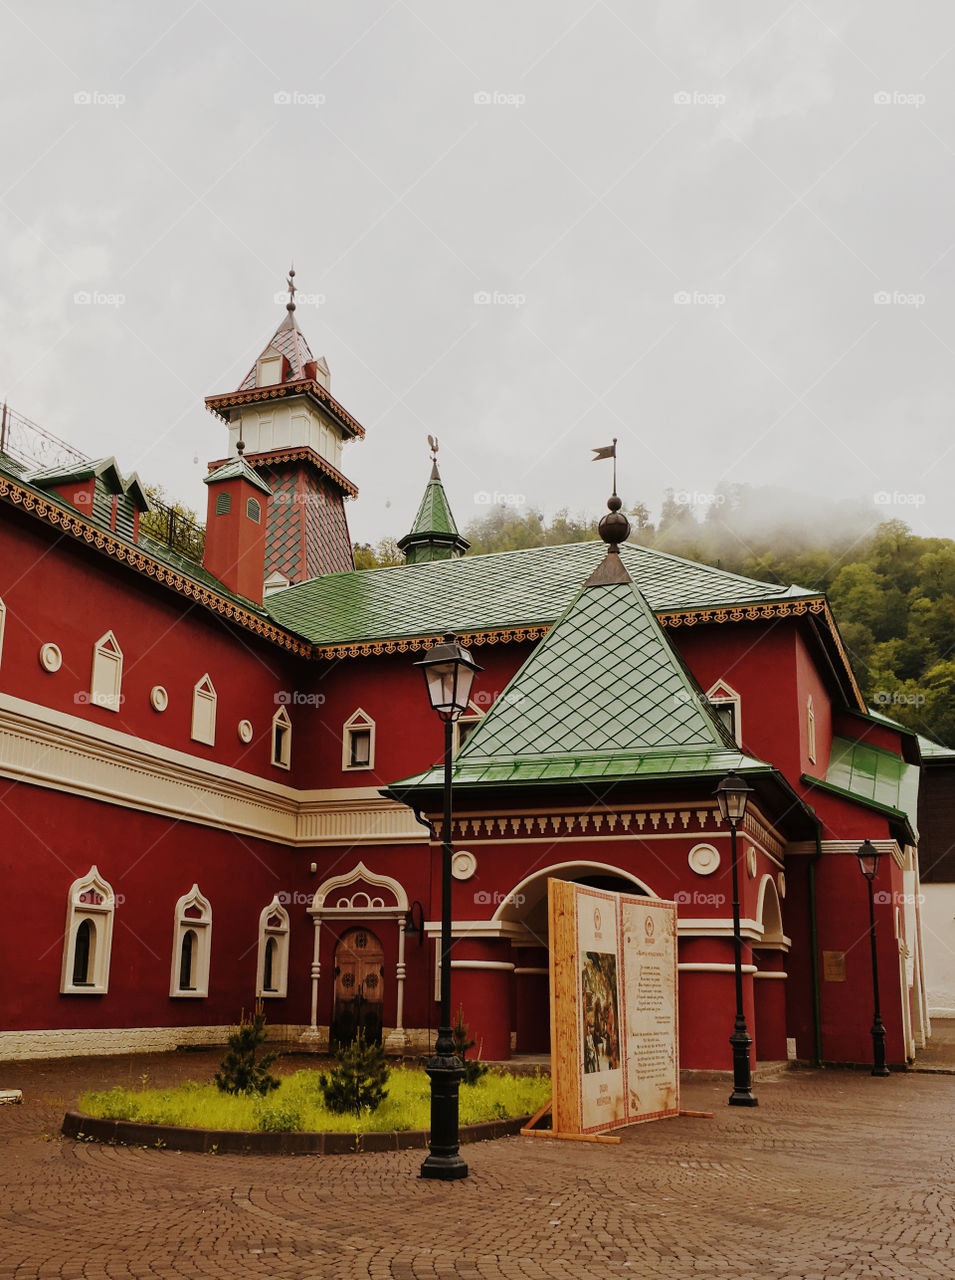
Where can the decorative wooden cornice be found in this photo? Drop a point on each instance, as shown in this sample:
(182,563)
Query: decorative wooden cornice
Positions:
(761,611)
(412,644)
(304,453)
(75,526)
(300,387)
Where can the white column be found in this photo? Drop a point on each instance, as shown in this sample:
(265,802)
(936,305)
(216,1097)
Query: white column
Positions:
(312,1036)
(397,1041)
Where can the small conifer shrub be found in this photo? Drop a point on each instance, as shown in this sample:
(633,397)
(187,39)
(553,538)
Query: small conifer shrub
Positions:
(473,1067)
(357,1084)
(241,1071)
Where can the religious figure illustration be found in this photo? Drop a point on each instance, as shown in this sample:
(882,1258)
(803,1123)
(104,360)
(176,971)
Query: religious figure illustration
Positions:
(600,1017)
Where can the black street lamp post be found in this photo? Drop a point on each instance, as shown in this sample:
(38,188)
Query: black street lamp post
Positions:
(869,856)
(449,671)
(732,794)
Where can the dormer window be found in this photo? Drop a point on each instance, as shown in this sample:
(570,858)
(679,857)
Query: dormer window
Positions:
(463,728)
(726,702)
(271,368)
(358,742)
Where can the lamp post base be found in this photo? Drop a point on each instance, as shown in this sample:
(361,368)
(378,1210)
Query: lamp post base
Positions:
(741,1042)
(878,1049)
(446,1071)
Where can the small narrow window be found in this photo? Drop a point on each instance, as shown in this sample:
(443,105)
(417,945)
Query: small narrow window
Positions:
(204,700)
(106,680)
(272,977)
(281,739)
(223,504)
(810,731)
(3,621)
(463,728)
(726,704)
(253,510)
(358,741)
(88,938)
(191,945)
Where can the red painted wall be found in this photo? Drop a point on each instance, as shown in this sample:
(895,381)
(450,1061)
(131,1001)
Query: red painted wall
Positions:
(235,543)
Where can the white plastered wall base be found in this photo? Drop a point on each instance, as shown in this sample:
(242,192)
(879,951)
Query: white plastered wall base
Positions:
(82,1042)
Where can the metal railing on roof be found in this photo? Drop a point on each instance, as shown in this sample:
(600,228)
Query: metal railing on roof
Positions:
(37,449)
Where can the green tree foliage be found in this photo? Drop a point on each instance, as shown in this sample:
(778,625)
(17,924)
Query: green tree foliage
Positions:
(241,1070)
(357,1084)
(473,1067)
(380,556)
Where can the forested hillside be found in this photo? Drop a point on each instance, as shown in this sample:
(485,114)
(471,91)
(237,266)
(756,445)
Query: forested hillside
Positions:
(893,592)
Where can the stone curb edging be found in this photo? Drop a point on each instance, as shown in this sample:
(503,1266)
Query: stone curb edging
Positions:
(231,1142)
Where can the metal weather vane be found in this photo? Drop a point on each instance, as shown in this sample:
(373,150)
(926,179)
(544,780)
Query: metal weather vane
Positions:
(608,451)
(290,305)
(433,446)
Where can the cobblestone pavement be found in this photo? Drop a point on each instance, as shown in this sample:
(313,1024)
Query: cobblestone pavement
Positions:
(835,1174)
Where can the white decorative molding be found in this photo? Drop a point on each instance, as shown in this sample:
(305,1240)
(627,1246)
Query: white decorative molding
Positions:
(51,659)
(358,874)
(781,884)
(274,936)
(482,964)
(463,865)
(244,731)
(204,701)
(282,739)
(770,973)
(158,698)
(193,920)
(714,967)
(358,723)
(704,859)
(751,863)
(90,903)
(63,752)
(807,848)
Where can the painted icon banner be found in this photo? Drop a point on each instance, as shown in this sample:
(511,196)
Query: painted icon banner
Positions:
(614,1033)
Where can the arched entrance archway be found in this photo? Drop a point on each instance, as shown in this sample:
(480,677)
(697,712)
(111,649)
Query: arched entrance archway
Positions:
(526,905)
(769,980)
(358,997)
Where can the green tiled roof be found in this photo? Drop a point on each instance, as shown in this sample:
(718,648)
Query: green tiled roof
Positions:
(524,588)
(604,696)
(933,750)
(871,773)
(235,469)
(434,514)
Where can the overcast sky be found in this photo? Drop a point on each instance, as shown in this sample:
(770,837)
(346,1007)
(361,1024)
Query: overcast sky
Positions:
(722,232)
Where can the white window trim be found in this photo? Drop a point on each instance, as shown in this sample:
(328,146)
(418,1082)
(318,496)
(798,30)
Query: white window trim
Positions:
(265,367)
(204,700)
(202,927)
(3,624)
(810,731)
(473,715)
(101,915)
(358,720)
(281,758)
(723,692)
(106,678)
(280,934)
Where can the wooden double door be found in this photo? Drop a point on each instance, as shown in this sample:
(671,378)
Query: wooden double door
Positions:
(359,988)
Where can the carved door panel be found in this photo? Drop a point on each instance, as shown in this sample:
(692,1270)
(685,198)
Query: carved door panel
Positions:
(359,988)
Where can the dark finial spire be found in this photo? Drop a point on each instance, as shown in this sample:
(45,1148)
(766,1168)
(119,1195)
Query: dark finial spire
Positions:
(290,305)
(614,528)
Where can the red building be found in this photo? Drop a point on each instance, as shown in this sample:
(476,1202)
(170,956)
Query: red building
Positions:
(202,767)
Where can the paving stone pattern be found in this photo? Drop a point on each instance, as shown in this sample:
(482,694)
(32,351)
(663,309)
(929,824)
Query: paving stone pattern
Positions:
(834,1175)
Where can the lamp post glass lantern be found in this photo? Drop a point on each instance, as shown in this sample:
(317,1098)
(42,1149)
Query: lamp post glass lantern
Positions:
(732,795)
(869,856)
(449,672)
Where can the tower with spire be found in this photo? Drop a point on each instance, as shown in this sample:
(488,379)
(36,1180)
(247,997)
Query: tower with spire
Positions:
(292,431)
(434,535)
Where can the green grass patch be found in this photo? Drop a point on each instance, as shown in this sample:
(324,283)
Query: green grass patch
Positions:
(297,1106)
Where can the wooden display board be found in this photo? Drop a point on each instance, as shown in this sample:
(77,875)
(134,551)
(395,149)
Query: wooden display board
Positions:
(613,1008)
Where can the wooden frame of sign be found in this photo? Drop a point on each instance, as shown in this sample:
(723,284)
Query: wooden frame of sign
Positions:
(613,1009)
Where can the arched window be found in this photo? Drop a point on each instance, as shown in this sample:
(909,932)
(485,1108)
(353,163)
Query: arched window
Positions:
(272,973)
(106,681)
(358,741)
(88,939)
(204,700)
(223,504)
(253,510)
(191,945)
(281,739)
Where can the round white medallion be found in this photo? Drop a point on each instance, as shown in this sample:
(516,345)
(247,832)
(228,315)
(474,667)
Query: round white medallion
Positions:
(704,859)
(781,883)
(158,698)
(463,865)
(244,730)
(50,657)
(751,863)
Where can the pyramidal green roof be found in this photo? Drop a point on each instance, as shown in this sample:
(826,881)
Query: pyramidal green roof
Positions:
(434,535)
(604,696)
(233,470)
